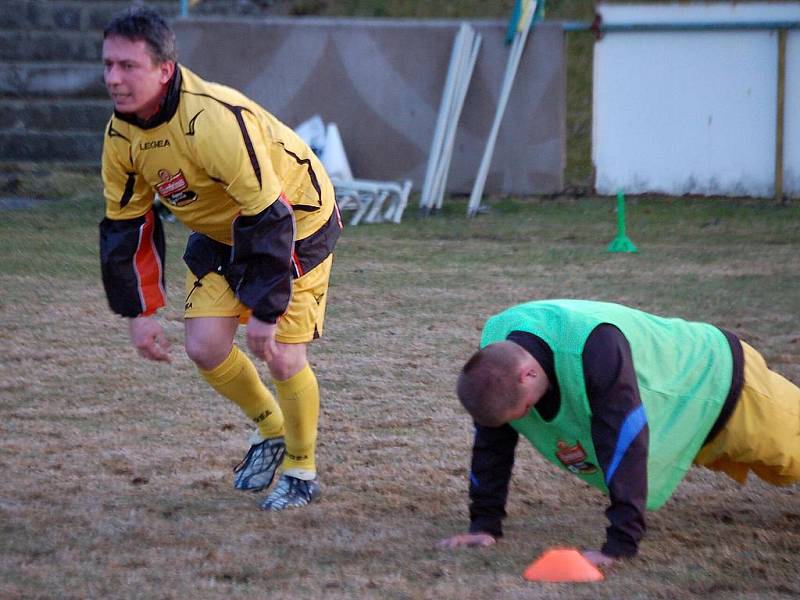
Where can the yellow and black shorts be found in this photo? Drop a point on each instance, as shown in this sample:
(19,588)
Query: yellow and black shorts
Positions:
(303,320)
(763,433)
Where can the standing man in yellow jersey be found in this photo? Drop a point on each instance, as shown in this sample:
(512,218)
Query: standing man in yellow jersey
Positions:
(264,222)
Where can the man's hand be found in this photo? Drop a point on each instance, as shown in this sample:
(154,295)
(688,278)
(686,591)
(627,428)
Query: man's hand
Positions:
(261,338)
(148,338)
(467,540)
(598,559)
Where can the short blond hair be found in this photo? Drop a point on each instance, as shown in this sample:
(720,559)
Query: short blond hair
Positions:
(487,385)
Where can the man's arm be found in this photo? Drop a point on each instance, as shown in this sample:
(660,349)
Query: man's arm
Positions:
(620,436)
(259,272)
(131,262)
(492,462)
(132,245)
(261,261)
(132,248)
(231,147)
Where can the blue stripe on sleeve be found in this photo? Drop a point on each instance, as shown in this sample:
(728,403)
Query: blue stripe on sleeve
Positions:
(633,425)
(474,480)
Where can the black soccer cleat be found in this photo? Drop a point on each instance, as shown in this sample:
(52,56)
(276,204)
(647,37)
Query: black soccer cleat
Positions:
(257,469)
(292,492)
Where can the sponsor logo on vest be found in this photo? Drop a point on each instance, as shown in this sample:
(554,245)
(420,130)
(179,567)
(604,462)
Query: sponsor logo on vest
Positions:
(174,188)
(154,144)
(574,458)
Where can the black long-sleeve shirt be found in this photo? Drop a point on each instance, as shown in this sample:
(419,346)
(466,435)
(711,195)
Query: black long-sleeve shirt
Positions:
(613,395)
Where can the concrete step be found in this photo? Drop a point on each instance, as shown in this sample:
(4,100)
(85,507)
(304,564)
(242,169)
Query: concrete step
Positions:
(69,146)
(46,79)
(94,15)
(53,114)
(26,46)
(53,104)
(38,14)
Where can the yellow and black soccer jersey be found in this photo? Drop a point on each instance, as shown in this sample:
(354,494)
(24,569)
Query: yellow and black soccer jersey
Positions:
(228,170)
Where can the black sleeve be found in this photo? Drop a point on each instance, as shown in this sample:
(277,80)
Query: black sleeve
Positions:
(620,435)
(132,255)
(260,272)
(492,462)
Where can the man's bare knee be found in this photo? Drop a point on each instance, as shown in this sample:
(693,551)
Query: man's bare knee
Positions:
(206,355)
(288,361)
(208,342)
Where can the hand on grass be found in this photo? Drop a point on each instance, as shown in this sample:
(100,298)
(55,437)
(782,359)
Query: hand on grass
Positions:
(598,559)
(148,338)
(467,540)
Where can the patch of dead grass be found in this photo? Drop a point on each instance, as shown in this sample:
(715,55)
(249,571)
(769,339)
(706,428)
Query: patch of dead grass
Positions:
(117,472)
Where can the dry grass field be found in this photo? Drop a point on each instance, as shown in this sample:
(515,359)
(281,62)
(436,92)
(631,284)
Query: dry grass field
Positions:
(117,473)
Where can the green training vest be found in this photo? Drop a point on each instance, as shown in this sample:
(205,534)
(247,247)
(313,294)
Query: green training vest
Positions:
(683,370)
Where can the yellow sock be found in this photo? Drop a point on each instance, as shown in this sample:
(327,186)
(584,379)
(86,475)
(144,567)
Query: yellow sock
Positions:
(237,379)
(299,399)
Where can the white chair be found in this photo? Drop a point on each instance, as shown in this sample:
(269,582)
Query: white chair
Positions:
(372,201)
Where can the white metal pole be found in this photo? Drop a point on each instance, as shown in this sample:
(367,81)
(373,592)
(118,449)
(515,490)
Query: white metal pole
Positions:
(508,80)
(441,121)
(465,49)
(440,184)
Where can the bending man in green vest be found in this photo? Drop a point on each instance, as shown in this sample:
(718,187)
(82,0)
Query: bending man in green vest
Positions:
(626,401)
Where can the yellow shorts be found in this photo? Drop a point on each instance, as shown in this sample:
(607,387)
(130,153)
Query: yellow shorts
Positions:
(763,433)
(302,321)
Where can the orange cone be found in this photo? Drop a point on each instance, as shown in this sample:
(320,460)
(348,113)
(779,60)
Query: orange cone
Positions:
(559,565)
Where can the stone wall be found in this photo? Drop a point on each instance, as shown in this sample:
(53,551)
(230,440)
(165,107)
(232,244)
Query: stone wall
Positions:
(380,80)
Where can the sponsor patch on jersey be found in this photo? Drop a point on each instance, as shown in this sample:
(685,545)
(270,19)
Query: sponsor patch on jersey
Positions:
(574,458)
(174,188)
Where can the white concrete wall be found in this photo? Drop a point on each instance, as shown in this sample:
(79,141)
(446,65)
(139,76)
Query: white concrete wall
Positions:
(694,112)
(791,129)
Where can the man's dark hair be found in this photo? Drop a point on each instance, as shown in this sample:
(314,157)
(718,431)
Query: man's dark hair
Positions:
(486,385)
(140,23)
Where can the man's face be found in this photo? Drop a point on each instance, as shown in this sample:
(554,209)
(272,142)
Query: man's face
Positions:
(134,81)
(522,408)
(532,385)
